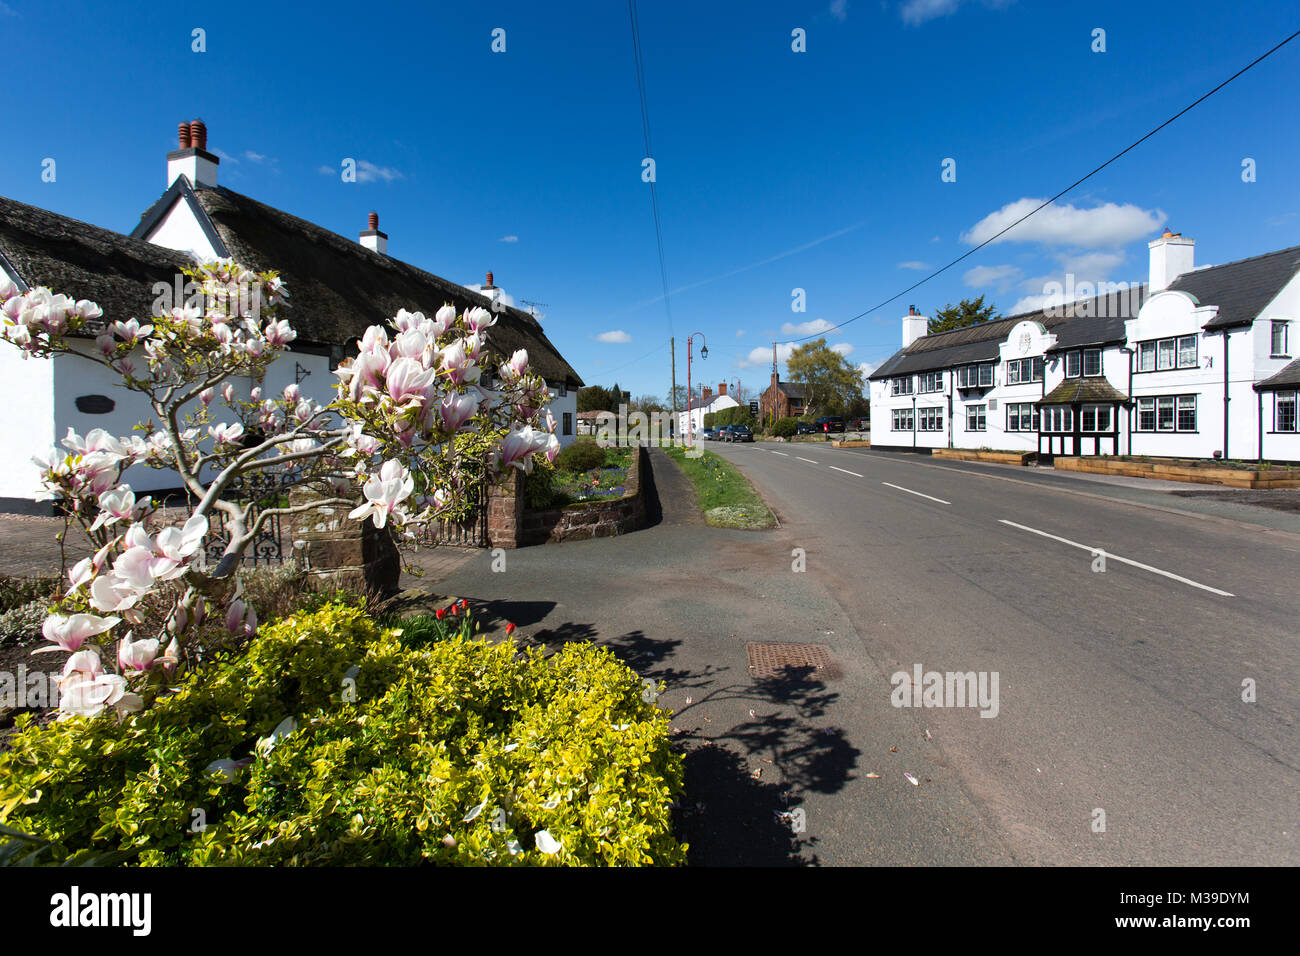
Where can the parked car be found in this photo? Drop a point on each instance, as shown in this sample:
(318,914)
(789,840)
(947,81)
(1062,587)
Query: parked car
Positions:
(739,433)
(709,434)
(860,425)
(804,428)
(828,424)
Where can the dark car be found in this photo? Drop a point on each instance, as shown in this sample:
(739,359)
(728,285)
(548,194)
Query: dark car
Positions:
(709,434)
(829,423)
(739,433)
(803,428)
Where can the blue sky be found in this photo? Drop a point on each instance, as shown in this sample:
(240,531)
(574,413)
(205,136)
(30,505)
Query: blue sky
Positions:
(776,170)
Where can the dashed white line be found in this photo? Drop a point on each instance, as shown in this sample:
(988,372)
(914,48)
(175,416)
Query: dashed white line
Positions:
(1116,557)
(781,453)
(917,493)
(809,460)
(846,471)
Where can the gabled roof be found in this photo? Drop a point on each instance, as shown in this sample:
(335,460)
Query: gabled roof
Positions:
(338,287)
(1288,378)
(1240,289)
(85,261)
(1073,390)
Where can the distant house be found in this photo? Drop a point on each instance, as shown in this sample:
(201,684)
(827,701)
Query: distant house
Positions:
(781,399)
(706,403)
(337,289)
(1196,363)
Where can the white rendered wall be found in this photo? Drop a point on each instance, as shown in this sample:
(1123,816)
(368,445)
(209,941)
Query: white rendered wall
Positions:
(26,419)
(180,230)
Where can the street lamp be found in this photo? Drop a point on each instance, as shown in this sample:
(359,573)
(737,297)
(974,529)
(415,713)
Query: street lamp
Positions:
(704,354)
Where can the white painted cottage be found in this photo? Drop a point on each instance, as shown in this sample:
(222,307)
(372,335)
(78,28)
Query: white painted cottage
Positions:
(1194,364)
(706,403)
(337,288)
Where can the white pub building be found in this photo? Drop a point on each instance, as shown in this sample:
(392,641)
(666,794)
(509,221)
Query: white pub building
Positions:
(1195,364)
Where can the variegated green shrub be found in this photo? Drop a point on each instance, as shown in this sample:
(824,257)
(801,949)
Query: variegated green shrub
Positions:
(330,741)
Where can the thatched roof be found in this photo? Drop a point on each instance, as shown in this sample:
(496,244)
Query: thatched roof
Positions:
(85,261)
(338,287)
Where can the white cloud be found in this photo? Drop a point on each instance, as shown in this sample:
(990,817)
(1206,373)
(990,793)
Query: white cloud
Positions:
(253,157)
(1000,276)
(762,356)
(840,9)
(1091,265)
(1109,224)
(914,264)
(916,12)
(508,239)
(326,170)
(617,336)
(844,348)
(739,332)
(811,327)
(368,172)
(225,157)
(865,369)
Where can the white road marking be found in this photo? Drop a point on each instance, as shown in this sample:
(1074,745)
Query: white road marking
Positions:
(781,453)
(809,460)
(846,471)
(917,493)
(1116,557)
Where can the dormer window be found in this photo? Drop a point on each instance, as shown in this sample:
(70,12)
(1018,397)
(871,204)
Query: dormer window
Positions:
(975,376)
(1072,364)
(1091,362)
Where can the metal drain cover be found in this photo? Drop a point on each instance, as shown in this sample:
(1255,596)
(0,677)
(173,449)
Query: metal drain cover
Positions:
(778,660)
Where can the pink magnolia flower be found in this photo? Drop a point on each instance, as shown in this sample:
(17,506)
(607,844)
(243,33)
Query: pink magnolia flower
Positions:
(228,392)
(114,506)
(455,410)
(384,493)
(519,446)
(458,365)
(292,393)
(69,633)
(206,397)
(513,370)
(407,379)
(224,434)
(85,690)
(131,330)
(478,319)
(444,319)
(241,618)
(136,657)
(279,333)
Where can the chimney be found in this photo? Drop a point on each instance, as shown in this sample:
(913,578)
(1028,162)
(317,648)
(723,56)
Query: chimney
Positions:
(707,397)
(192,159)
(914,326)
(372,238)
(722,389)
(488,284)
(1171,256)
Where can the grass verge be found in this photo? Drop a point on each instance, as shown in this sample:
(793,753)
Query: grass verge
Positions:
(727,498)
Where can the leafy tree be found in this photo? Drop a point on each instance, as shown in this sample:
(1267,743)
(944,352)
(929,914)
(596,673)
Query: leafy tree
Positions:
(966,313)
(830,382)
(647,404)
(597,398)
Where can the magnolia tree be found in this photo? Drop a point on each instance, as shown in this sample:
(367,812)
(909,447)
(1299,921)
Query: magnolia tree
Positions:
(413,429)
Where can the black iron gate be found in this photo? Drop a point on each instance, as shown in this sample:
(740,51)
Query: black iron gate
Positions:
(470,532)
(268,491)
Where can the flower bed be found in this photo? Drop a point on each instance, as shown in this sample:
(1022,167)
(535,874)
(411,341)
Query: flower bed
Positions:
(1234,474)
(612,504)
(971,454)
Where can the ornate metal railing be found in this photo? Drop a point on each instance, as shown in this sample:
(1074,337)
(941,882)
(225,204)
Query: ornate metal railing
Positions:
(268,490)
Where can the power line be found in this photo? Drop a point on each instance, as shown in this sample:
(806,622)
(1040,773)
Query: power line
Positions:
(649,151)
(1048,202)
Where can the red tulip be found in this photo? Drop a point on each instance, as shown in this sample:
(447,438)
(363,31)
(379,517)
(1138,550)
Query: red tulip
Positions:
(510,629)
(464,604)
(441,613)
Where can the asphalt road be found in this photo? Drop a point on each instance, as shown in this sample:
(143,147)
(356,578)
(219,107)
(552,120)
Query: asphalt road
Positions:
(1120,690)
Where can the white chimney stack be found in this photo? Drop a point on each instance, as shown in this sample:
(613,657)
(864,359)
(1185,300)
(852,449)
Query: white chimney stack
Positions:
(914,326)
(373,239)
(1171,257)
(192,159)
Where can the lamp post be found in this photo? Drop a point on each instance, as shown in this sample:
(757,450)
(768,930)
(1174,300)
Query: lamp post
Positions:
(704,354)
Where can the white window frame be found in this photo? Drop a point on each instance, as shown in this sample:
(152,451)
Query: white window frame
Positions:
(1087,353)
(1146,406)
(902,385)
(977,418)
(903,420)
(1288,398)
(1073,360)
(1172,346)
(1280,326)
(1195,347)
(1146,356)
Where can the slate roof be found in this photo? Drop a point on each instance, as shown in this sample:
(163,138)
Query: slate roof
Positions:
(1240,289)
(1073,390)
(84,261)
(790,389)
(1289,377)
(337,286)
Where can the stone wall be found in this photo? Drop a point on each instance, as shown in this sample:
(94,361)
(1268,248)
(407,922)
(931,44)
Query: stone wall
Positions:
(338,552)
(589,519)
